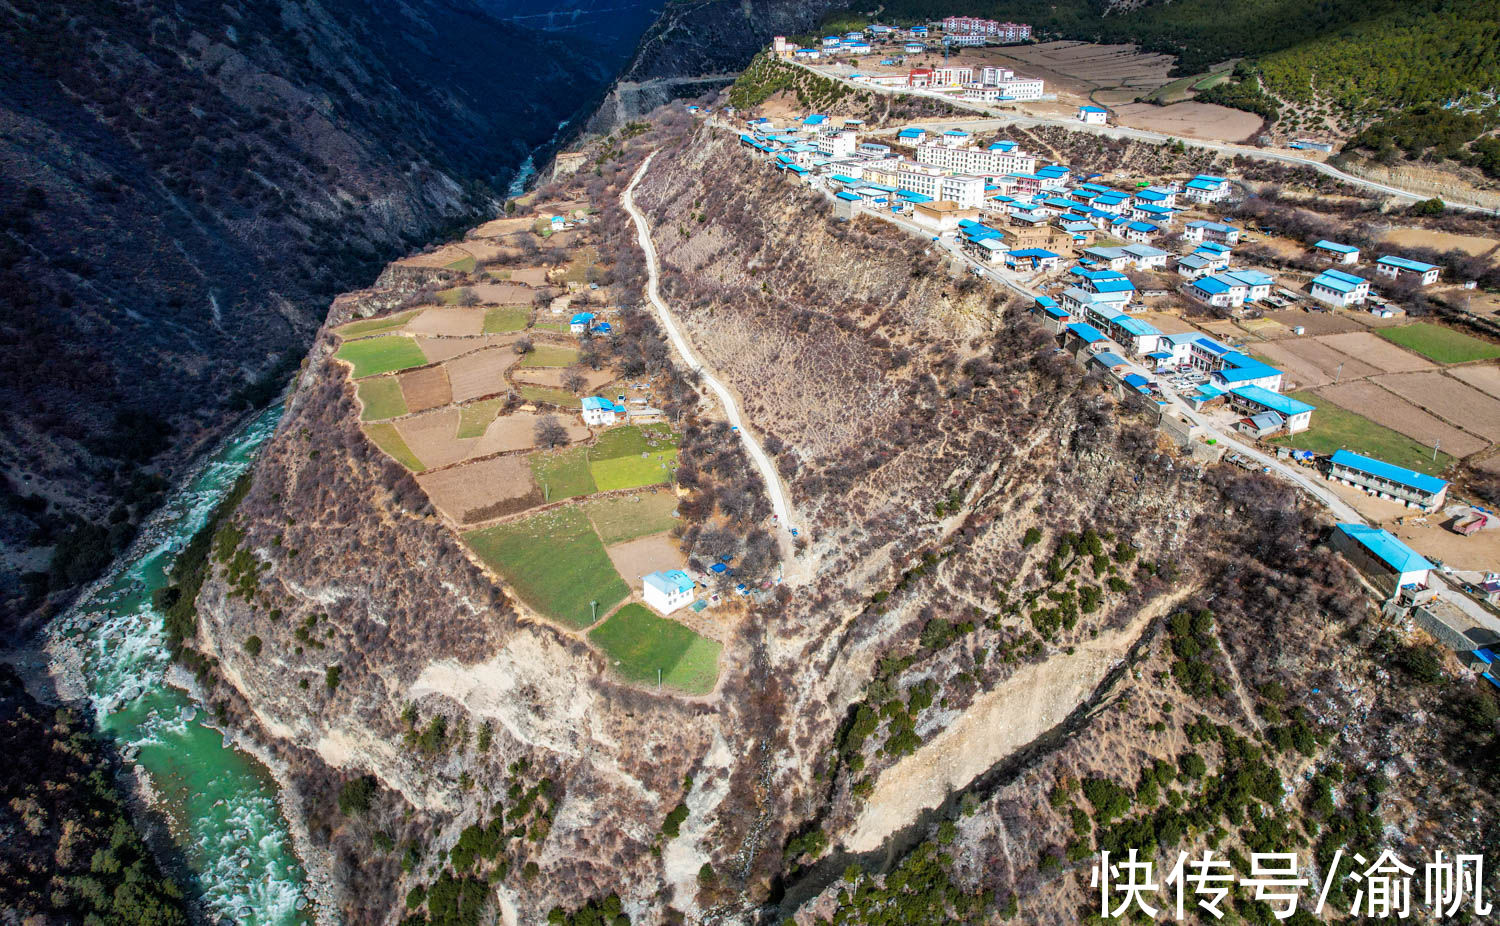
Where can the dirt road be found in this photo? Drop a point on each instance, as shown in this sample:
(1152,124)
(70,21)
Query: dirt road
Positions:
(774,489)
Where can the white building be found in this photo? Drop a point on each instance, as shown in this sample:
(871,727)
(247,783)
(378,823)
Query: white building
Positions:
(979,162)
(1399,268)
(599,413)
(1336,253)
(1388,481)
(1211,231)
(1206,188)
(966,191)
(1093,115)
(1385,560)
(836,144)
(1339,289)
(668,590)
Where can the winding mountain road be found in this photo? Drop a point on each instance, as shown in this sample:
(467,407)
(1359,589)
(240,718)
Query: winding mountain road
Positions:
(762,460)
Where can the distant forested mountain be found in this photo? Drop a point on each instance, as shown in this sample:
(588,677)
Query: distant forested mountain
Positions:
(185,186)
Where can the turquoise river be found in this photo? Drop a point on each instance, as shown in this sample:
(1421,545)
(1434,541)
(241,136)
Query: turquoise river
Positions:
(220,803)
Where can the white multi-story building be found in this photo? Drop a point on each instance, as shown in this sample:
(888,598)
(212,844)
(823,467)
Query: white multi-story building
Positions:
(836,144)
(1339,289)
(952,76)
(1206,188)
(966,191)
(973,25)
(987,162)
(668,590)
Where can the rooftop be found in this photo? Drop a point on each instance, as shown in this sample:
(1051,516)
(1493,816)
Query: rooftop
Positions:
(1390,471)
(1326,245)
(1403,263)
(1386,547)
(1274,401)
(669,581)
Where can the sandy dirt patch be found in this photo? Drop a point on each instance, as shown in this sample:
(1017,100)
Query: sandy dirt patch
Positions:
(481,373)
(1441,240)
(1387,408)
(426,388)
(1080,67)
(635,558)
(1376,350)
(1318,323)
(1332,363)
(553,377)
(1167,323)
(1034,699)
(516,432)
(442,257)
(1449,399)
(486,250)
(431,436)
(475,491)
(503,293)
(496,228)
(1484,378)
(441,349)
(1300,373)
(448,322)
(1191,120)
(529,276)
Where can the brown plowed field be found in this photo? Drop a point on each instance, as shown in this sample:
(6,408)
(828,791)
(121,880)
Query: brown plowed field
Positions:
(529,276)
(1449,399)
(553,377)
(481,373)
(1303,373)
(1373,349)
(431,436)
(503,293)
(440,349)
(426,388)
(1484,378)
(1328,360)
(1384,407)
(516,432)
(460,322)
(486,489)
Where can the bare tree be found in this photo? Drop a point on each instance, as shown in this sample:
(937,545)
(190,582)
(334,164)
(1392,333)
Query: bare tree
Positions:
(573,380)
(467,297)
(523,345)
(549,432)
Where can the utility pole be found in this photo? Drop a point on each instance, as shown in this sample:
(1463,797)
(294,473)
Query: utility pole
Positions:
(1337,373)
(1435,449)
(594,610)
(658,678)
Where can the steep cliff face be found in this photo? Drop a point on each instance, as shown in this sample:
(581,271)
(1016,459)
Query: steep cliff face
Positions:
(1009,584)
(185,189)
(698,46)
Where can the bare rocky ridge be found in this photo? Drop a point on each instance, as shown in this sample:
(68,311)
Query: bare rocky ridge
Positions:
(1006,562)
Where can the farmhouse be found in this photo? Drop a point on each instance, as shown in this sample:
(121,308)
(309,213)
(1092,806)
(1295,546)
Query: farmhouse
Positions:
(1384,559)
(1399,268)
(1201,230)
(599,412)
(1031,259)
(1336,253)
(668,590)
(1339,289)
(1388,481)
(1219,290)
(580,322)
(1205,188)
(1093,115)
(1257,400)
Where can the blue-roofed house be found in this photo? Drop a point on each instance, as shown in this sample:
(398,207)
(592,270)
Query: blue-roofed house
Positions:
(1206,189)
(1387,562)
(1254,400)
(1217,232)
(1389,481)
(580,322)
(1194,266)
(600,412)
(1093,115)
(1141,232)
(1400,268)
(1339,289)
(1109,360)
(1031,259)
(1079,336)
(1257,285)
(667,590)
(1336,253)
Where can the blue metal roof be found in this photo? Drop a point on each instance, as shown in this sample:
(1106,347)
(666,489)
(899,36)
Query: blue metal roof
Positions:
(1275,401)
(581,318)
(1032,252)
(1134,326)
(1109,358)
(1112,286)
(1390,471)
(1387,547)
(1087,332)
(1339,284)
(1136,379)
(1403,263)
(1211,285)
(1326,245)
(847,196)
(669,581)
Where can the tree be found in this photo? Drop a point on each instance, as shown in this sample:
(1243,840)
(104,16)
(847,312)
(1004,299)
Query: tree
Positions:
(523,345)
(467,297)
(357,795)
(253,645)
(549,432)
(574,381)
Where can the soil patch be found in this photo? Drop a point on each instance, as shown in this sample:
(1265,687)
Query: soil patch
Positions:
(517,432)
(1450,399)
(1384,407)
(432,437)
(1191,120)
(1373,349)
(484,489)
(481,373)
(1440,240)
(426,388)
(1484,378)
(448,322)
(503,293)
(635,558)
(552,377)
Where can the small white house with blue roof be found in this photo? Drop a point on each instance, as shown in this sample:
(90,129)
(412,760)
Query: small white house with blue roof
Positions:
(1339,289)
(580,322)
(1093,115)
(1400,268)
(1381,556)
(667,590)
(600,412)
(1336,253)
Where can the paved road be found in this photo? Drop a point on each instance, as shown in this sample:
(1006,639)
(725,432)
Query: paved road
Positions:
(998,118)
(758,455)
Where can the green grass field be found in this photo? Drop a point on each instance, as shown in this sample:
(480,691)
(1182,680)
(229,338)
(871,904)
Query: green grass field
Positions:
(369,326)
(549,355)
(464,265)
(1443,345)
(617,463)
(505,318)
(381,398)
(619,518)
(476,416)
(381,355)
(387,438)
(563,474)
(561,327)
(1335,428)
(578,268)
(551,396)
(556,564)
(642,643)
